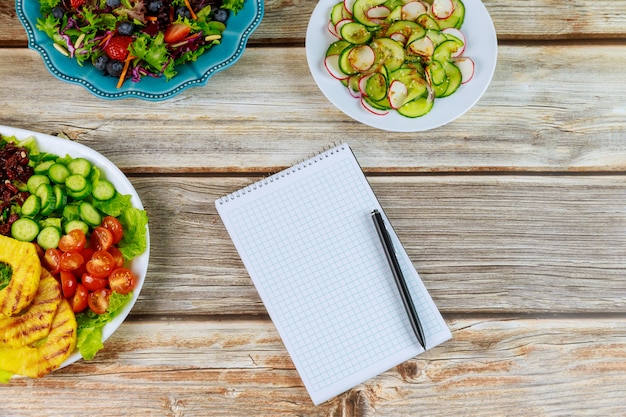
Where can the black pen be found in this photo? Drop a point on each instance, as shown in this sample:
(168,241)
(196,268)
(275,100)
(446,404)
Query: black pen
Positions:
(399,277)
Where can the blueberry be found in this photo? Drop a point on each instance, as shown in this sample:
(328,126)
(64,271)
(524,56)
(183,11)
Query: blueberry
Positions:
(58,12)
(183,12)
(154,5)
(125,28)
(101,62)
(114,68)
(220,15)
(113,3)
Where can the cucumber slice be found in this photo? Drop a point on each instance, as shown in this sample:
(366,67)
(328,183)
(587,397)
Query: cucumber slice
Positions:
(355,33)
(48,199)
(103,190)
(35,181)
(417,107)
(24,229)
(61,197)
(389,53)
(42,167)
(79,166)
(454,76)
(89,214)
(455,20)
(338,12)
(49,237)
(376,86)
(76,224)
(336,48)
(58,173)
(361,9)
(31,206)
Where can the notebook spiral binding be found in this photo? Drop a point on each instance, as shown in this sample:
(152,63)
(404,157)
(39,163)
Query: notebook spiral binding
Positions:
(332,149)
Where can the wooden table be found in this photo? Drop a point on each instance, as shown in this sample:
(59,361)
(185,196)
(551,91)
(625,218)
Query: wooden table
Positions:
(515,216)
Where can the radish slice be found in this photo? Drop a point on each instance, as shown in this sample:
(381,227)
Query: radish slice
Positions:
(397,94)
(331,62)
(412,10)
(378,12)
(466,66)
(353,93)
(340,24)
(457,34)
(423,46)
(399,37)
(442,9)
(373,110)
(363,83)
(331,29)
(362,57)
(348,5)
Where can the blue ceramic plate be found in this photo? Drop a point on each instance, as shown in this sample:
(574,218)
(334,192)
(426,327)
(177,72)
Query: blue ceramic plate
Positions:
(238,28)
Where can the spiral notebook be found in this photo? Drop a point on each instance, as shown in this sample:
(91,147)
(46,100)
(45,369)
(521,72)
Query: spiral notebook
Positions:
(306,237)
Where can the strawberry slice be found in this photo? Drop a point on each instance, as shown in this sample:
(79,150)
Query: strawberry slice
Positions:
(176,32)
(77,3)
(117,48)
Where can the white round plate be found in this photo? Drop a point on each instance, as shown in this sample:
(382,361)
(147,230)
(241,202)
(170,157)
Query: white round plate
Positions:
(62,147)
(482,47)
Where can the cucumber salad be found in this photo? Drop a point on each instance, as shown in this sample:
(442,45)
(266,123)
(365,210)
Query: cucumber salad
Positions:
(131,39)
(398,55)
(86,232)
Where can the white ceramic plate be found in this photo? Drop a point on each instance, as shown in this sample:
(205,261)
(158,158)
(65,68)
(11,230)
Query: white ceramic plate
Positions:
(482,47)
(62,147)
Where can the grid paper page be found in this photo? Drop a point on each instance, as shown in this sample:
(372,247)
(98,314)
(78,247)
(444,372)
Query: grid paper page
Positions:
(307,239)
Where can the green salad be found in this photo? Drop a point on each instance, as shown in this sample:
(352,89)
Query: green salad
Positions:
(132,39)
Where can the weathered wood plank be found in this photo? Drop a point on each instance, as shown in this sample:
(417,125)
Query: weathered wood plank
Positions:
(285,21)
(227,368)
(481,243)
(546,110)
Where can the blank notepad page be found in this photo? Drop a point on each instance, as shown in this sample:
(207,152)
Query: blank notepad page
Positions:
(308,241)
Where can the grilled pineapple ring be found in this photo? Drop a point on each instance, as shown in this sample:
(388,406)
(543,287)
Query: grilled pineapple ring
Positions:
(34,324)
(46,355)
(26,270)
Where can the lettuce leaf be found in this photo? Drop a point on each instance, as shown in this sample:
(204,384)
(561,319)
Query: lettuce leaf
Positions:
(90,324)
(115,206)
(6,272)
(134,222)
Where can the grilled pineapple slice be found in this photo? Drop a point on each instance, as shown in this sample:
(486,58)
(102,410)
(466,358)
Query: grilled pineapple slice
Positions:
(26,270)
(35,323)
(45,355)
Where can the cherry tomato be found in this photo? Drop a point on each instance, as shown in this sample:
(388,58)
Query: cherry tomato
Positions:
(75,240)
(101,238)
(117,256)
(101,264)
(93,283)
(99,300)
(52,260)
(114,225)
(87,253)
(70,261)
(122,280)
(68,284)
(79,301)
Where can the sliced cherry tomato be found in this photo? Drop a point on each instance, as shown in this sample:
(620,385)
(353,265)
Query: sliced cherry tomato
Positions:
(87,253)
(68,284)
(71,261)
(93,283)
(79,301)
(118,257)
(176,32)
(39,250)
(75,240)
(114,225)
(99,300)
(52,260)
(101,238)
(101,264)
(122,280)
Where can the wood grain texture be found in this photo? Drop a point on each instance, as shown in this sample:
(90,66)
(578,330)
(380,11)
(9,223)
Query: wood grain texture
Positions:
(167,367)
(546,110)
(285,21)
(482,244)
